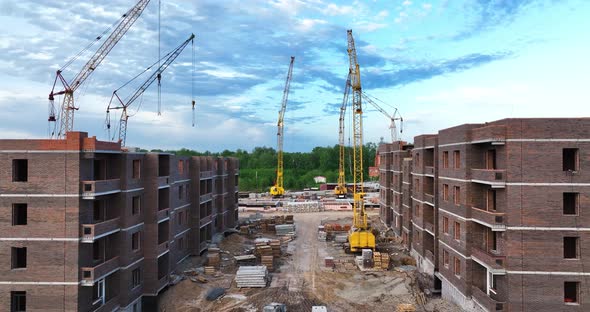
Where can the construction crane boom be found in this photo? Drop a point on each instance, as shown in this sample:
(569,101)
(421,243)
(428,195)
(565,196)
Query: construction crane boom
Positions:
(278,189)
(391,117)
(360,235)
(66,117)
(340,190)
(156,75)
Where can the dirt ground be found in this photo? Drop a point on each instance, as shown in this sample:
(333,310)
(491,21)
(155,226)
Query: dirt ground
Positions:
(301,281)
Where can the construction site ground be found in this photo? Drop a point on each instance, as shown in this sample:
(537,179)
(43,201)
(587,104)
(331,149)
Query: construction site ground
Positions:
(301,279)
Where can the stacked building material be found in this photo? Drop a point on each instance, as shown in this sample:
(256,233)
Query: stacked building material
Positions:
(252,276)
(289,219)
(268,262)
(310,206)
(385,261)
(262,249)
(341,239)
(377,260)
(209,270)
(367,258)
(322,236)
(275,245)
(285,229)
(329,262)
(245,229)
(213,258)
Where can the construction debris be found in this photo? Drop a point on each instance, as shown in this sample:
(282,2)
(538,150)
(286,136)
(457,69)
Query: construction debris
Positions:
(252,276)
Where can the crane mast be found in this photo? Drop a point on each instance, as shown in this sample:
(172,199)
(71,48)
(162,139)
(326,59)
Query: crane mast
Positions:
(66,117)
(360,235)
(340,189)
(278,189)
(391,117)
(124,105)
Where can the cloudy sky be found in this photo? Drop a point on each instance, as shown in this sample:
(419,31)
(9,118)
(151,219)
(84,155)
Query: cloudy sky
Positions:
(441,63)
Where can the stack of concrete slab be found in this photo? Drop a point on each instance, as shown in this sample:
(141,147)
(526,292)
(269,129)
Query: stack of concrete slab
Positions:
(322,236)
(311,206)
(252,276)
(341,238)
(268,262)
(285,229)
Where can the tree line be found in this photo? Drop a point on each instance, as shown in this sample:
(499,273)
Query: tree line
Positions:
(258,167)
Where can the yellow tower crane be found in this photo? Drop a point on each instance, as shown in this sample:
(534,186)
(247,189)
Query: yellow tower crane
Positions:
(360,235)
(278,190)
(340,190)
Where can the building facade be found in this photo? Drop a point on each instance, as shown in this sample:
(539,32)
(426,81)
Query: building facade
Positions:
(510,230)
(89,226)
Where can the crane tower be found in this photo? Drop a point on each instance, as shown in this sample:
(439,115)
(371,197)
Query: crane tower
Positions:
(360,235)
(278,189)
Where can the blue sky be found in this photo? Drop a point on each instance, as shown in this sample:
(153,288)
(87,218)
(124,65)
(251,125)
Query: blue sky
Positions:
(441,63)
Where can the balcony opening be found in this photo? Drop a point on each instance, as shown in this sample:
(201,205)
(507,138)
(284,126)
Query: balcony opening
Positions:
(20,170)
(492,240)
(136,241)
(180,192)
(491,159)
(98,211)
(18,301)
(135,205)
(445,225)
(571,292)
(416,185)
(97,250)
(570,159)
(163,232)
(100,170)
(445,159)
(457,159)
(417,211)
(19,214)
(135,277)
(417,159)
(163,266)
(445,192)
(571,247)
(457,268)
(163,165)
(19,257)
(98,292)
(571,202)
(163,198)
(491,200)
(446,258)
(136,169)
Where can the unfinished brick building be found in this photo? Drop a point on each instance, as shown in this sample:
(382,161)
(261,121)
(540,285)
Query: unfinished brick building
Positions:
(509,199)
(87,226)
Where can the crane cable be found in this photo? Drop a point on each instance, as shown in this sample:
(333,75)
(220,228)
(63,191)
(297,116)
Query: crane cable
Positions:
(193,82)
(159,51)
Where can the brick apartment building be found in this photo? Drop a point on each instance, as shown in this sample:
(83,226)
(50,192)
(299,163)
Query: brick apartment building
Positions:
(499,215)
(87,226)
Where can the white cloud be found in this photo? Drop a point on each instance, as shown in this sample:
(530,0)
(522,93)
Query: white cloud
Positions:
(365,26)
(382,14)
(407,3)
(333,9)
(427,6)
(308,24)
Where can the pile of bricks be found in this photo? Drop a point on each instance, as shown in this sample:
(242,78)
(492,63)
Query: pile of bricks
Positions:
(268,262)
(213,257)
(210,270)
(380,261)
(343,265)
